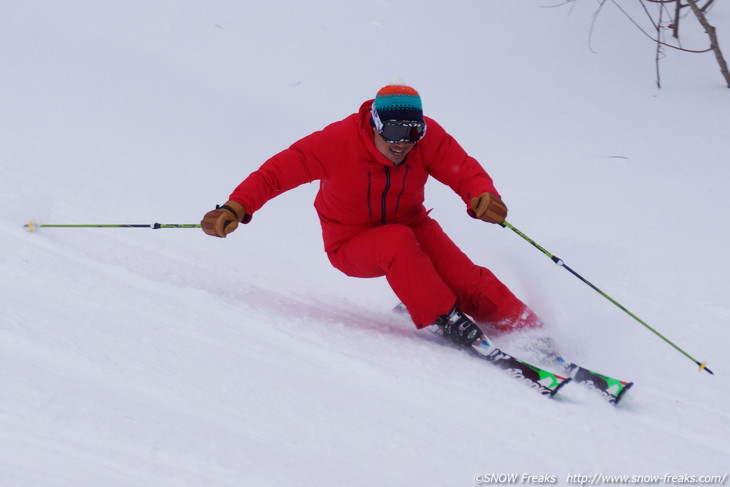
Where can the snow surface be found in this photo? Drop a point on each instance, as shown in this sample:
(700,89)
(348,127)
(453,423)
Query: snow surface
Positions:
(135,357)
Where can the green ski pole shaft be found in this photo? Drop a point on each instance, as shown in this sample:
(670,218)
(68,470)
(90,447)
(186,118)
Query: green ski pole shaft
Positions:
(32,226)
(559,262)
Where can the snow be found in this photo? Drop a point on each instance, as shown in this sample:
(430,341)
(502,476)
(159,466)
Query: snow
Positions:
(168,358)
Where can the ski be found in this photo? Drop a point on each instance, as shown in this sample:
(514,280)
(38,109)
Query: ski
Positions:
(545,382)
(610,389)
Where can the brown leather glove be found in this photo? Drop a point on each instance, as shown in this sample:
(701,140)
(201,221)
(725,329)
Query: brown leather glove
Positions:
(489,208)
(223,220)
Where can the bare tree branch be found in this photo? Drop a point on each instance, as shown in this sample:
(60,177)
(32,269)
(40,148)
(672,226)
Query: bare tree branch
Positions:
(706,6)
(658,41)
(675,26)
(714,44)
(660,24)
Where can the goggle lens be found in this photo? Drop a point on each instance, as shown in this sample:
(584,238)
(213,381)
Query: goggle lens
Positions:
(394,132)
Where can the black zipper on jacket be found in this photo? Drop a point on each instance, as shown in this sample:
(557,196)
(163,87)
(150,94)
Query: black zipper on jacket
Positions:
(385,194)
(402,190)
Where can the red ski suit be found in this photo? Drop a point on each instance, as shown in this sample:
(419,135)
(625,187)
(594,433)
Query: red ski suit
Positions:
(374,222)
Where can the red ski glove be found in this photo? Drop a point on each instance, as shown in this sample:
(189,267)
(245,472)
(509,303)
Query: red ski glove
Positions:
(223,220)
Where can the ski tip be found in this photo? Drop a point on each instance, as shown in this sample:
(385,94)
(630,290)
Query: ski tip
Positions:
(621,393)
(565,381)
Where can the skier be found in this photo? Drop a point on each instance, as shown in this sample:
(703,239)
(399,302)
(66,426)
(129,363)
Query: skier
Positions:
(372,167)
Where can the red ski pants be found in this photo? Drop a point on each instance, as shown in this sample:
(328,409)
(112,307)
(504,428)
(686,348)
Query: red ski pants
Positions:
(430,274)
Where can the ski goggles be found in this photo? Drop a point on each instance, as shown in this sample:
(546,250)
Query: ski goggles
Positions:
(396,131)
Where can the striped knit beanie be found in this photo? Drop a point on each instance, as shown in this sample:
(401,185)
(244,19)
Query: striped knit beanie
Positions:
(398,102)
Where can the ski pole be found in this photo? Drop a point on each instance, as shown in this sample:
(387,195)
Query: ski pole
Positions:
(32,226)
(559,262)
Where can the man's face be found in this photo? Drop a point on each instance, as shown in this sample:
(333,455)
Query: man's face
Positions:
(395,153)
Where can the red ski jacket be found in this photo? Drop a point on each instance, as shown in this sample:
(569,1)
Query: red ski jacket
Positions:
(359,187)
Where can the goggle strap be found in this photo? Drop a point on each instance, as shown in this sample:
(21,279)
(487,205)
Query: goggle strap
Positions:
(376,119)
